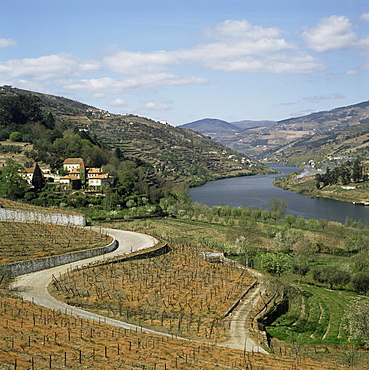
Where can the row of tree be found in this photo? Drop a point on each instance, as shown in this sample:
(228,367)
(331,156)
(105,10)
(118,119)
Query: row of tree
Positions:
(342,174)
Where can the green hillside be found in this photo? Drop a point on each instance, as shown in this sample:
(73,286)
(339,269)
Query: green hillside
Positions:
(341,143)
(175,153)
(178,154)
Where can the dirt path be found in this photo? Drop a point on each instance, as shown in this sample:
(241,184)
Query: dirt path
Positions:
(33,287)
(240,331)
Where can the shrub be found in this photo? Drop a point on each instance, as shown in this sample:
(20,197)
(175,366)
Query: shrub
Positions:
(275,263)
(331,276)
(15,136)
(360,283)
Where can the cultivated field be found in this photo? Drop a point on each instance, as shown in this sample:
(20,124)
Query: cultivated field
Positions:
(36,338)
(25,241)
(8,204)
(178,293)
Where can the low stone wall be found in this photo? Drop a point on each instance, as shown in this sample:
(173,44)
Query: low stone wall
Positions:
(44,218)
(155,251)
(26,267)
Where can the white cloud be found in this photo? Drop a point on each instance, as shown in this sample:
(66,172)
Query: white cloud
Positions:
(231,46)
(242,30)
(127,62)
(150,105)
(331,34)
(98,95)
(365,17)
(319,98)
(90,66)
(118,103)
(42,68)
(242,47)
(278,63)
(117,85)
(352,73)
(237,46)
(5,43)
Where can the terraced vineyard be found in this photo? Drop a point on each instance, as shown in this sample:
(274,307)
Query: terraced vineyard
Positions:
(36,338)
(316,316)
(179,154)
(8,204)
(25,241)
(179,292)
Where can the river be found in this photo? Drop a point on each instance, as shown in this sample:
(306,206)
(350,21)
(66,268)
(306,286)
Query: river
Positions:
(257,191)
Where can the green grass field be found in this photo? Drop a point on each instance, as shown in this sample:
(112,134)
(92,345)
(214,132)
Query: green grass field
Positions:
(316,316)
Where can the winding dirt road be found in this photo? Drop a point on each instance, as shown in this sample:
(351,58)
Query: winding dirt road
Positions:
(33,287)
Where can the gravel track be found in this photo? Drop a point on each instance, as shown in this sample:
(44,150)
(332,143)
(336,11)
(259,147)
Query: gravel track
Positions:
(33,287)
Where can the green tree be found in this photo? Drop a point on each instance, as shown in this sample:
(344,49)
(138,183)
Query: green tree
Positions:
(12,185)
(361,261)
(323,223)
(49,121)
(300,270)
(111,200)
(15,136)
(331,276)
(38,179)
(356,241)
(275,263)
(284,241)
(360,282)
(290,219)
(357,171)
(306,248)
(247,249)
(255,214)
(300,222)
(358,320)
(277,207)
(20,109)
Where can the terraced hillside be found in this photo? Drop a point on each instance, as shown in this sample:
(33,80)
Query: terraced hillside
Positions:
(37,338)
(177,154)
(315,316)
(339,143)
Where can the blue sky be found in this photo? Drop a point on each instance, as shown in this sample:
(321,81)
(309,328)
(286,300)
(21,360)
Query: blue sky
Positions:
(183,60)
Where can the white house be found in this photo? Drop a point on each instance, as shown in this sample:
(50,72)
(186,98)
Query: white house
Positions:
(71,163)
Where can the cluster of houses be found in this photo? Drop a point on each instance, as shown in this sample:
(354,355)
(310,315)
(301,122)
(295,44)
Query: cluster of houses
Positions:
(78,175)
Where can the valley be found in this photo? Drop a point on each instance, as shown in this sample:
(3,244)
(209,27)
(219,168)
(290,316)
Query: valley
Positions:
(340,132)
(232,287)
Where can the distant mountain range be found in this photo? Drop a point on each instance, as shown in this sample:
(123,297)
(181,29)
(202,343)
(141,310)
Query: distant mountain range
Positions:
(213,127)
(318,134)
(183,154)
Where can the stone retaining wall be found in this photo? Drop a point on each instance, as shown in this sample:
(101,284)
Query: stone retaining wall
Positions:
(26,267)
(157,250)
(44,218)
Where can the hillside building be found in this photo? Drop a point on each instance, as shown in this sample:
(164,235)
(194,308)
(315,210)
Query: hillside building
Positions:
(78,175)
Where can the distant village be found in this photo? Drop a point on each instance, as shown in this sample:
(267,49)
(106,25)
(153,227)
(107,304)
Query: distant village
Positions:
(78,176)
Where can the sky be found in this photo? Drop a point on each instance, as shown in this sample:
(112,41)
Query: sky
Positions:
(184,60)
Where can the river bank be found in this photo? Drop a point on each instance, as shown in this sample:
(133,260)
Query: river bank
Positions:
(354,192)
(256,192)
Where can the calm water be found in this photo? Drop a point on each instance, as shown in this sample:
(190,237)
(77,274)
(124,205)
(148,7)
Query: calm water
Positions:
(257,191)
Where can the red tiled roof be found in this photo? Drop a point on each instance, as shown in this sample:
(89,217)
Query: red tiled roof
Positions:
(79,161)
(70,177)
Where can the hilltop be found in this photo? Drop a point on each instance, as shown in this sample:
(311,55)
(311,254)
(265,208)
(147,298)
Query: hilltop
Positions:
(348,138)
(175,153)
(211,127)
(335,132)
